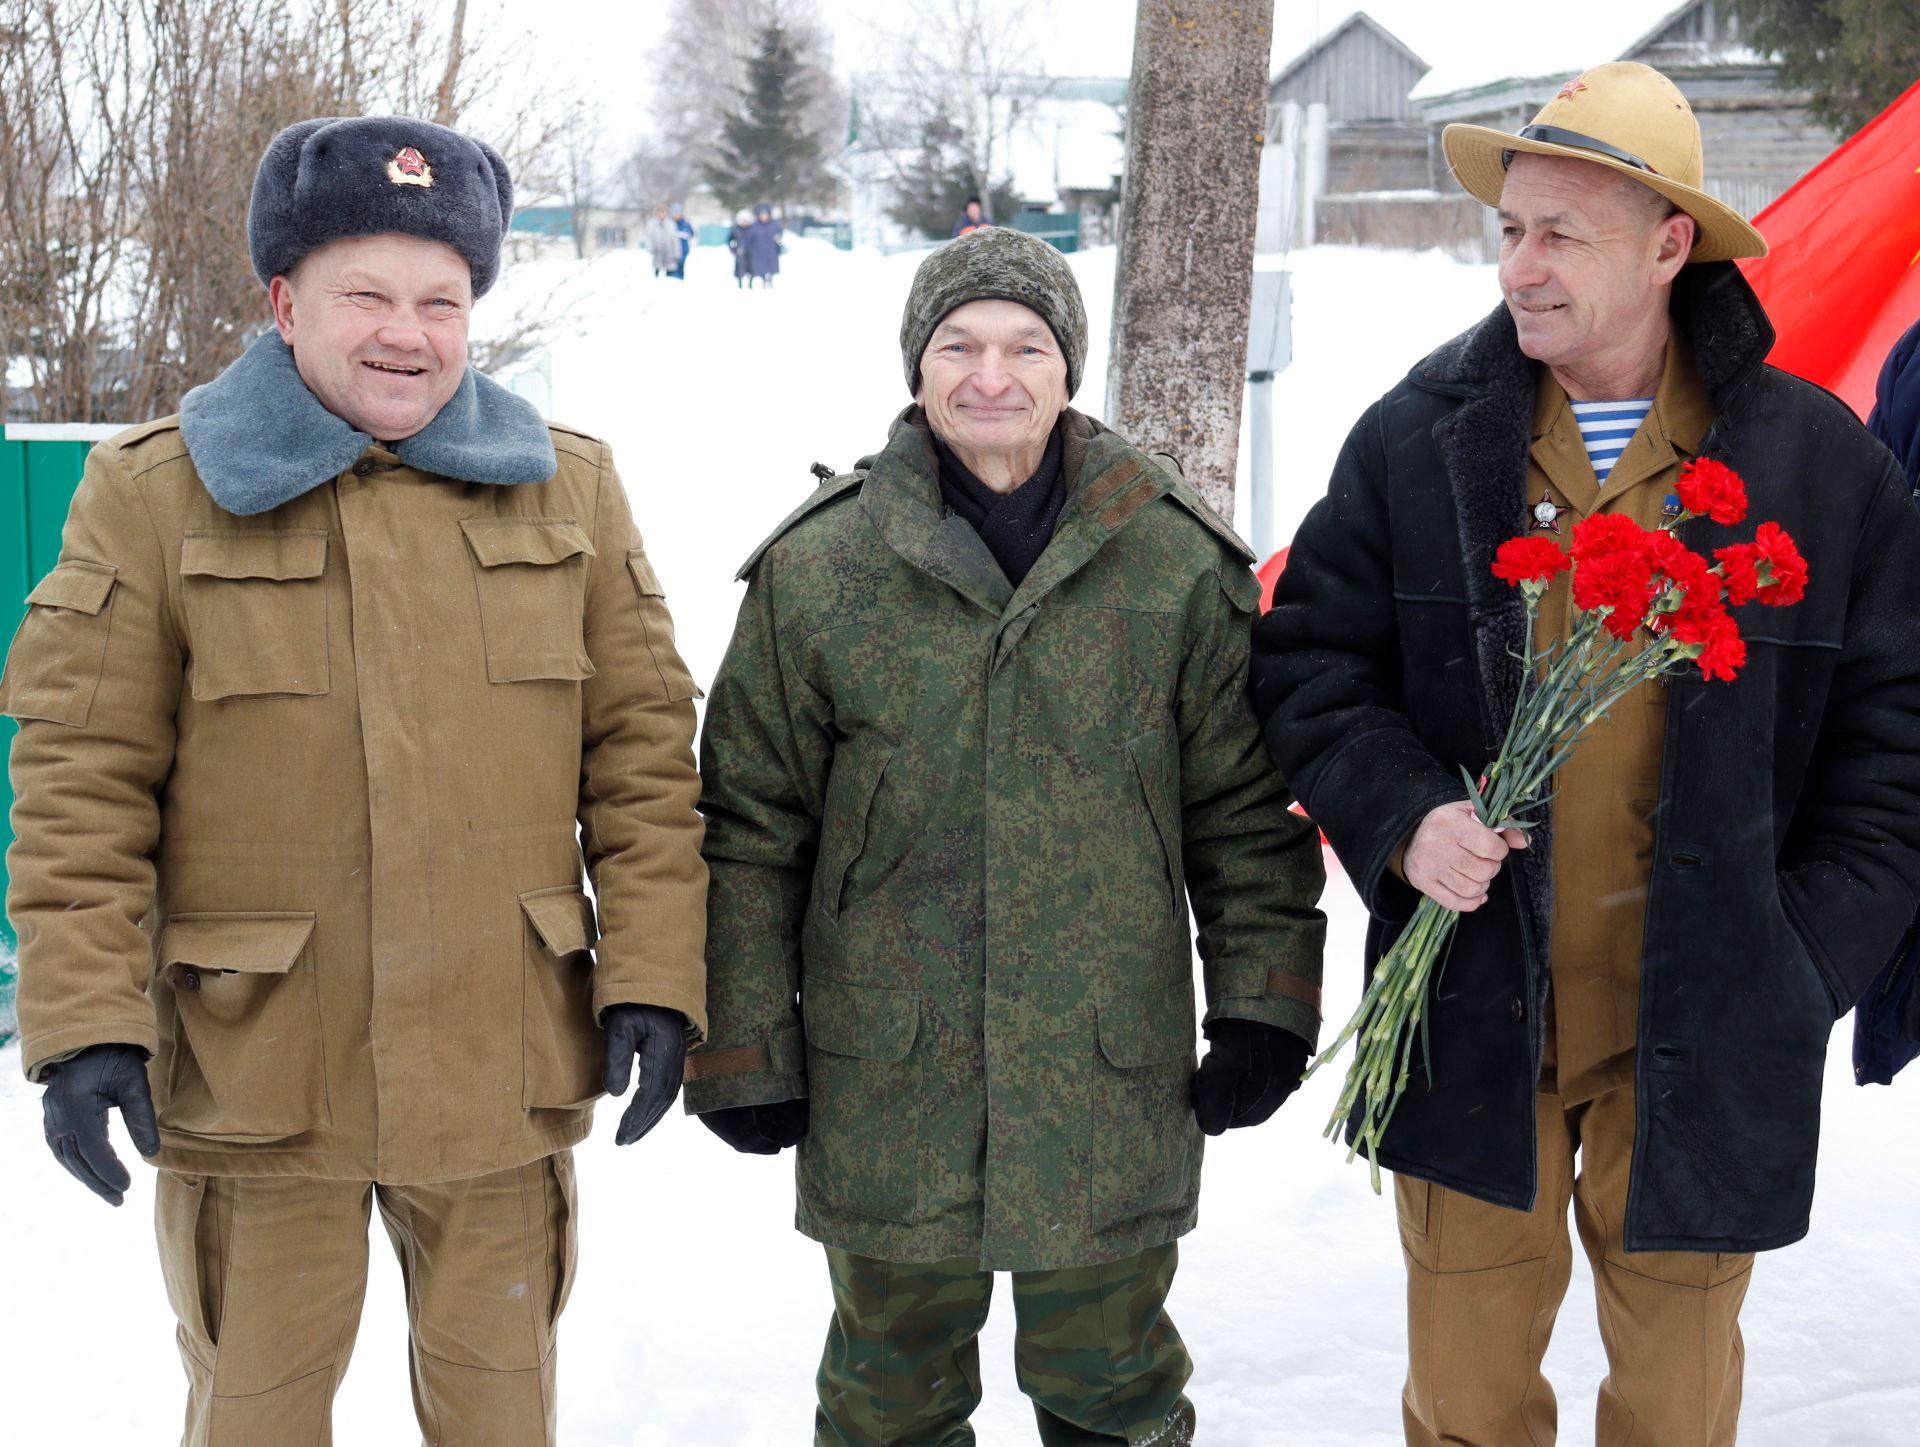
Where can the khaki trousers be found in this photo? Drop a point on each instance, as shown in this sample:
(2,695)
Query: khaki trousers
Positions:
(1485,1283)
(267,1274)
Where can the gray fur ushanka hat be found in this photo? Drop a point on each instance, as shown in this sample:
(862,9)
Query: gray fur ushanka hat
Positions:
(995,263)
(331,177)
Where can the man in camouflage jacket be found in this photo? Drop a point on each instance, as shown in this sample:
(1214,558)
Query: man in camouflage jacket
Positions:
(972,749)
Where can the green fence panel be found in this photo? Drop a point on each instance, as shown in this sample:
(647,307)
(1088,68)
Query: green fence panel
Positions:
(1062,228)
(40,467)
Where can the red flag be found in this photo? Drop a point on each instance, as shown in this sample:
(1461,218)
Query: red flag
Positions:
(1269,573)
(1842,280)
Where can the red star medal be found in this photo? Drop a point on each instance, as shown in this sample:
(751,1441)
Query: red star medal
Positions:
(1546,514)
(409,168)
(1571,89)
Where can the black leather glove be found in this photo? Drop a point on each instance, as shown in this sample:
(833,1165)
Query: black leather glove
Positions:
(760,1130)
(79,1091)
(1249,1070)
(656,1038)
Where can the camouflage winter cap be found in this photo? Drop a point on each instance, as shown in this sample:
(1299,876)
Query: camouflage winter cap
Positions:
(1001,264)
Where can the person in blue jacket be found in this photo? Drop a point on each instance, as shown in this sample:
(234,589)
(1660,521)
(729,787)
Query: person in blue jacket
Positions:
(1886,1021)
(685,229)
(762,245)
(1895,419)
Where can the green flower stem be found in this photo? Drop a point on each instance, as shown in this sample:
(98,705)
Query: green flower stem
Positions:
(1566,688)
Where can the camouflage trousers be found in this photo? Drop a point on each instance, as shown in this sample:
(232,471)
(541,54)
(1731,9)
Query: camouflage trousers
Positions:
(1093,1348)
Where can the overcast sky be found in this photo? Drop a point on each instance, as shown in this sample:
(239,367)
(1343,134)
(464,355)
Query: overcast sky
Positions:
(606,42)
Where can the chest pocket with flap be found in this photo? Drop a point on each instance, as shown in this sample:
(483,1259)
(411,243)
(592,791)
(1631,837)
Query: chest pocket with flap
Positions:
(256,605)
(532,578)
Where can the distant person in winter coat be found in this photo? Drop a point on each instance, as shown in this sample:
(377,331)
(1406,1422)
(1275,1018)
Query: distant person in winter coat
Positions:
(663,243)
(683,229)
(763,245)
(340,672)
(737,244)
(972,218)
(980,737)
(1635,1012)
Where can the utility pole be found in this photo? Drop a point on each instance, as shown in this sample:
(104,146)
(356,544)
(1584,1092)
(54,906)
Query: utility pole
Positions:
(1196,117)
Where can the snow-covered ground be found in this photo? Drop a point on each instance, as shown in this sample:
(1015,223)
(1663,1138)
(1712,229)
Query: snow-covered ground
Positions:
(699,1313)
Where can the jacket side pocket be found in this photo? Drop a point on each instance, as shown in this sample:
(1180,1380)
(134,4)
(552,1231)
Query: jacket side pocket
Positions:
(861,1152)
(858,768)
(1146,1143)
(564,1047)
(256,607)
(60,649)
(1156,765)
(249,1058)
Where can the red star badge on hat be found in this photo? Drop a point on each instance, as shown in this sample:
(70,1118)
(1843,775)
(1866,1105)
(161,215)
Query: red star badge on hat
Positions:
(409,168)
(1571,88)
(1547,513)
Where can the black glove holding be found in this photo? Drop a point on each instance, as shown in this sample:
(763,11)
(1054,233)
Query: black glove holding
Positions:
(657,1038)
(79,1091)
(1249,1071)
(760,1130)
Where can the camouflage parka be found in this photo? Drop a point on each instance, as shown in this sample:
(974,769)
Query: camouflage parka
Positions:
(949,822)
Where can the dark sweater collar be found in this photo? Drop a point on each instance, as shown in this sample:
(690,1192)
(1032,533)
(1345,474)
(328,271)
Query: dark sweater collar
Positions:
(1016,526)
(260,438)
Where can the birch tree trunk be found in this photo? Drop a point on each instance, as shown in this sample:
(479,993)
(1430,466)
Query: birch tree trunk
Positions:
(1196,113)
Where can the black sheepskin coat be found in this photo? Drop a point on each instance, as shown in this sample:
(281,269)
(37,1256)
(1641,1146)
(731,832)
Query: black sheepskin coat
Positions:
(1787,848)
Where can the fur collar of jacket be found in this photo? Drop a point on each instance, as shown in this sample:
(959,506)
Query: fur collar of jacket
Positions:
(259,437)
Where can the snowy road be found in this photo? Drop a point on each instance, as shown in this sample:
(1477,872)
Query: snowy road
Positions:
(698,1315)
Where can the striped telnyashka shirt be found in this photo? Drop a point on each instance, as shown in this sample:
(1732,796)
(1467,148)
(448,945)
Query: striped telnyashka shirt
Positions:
(1607,427)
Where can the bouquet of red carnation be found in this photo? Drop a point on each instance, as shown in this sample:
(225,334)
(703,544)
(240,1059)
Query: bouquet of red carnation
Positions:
(1629,586)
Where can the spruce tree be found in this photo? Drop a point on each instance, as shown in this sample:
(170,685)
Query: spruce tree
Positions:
(934,184)
(1853,57)
(765,153)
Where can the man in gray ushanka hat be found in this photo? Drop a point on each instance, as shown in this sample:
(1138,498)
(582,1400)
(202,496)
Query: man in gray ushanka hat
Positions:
(337,673)
(981,736)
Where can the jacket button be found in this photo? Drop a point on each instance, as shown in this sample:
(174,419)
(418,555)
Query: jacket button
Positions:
(191,979)
(1518,1007)
(364,467)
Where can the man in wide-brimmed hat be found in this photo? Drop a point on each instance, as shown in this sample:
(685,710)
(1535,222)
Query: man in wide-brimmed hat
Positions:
(1634,1016)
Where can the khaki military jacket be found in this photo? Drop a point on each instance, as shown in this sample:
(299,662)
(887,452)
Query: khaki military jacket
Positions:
(302,800)
(954,827)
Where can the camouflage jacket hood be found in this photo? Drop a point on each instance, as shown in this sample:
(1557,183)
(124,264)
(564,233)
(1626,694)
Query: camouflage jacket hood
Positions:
(953,828)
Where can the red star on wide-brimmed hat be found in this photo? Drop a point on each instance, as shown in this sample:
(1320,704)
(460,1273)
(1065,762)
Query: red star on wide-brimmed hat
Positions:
(1571,88)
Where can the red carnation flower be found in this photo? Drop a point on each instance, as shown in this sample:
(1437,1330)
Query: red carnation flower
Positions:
(1783,572)
(1529,560)
(1674,560)
(1722,650)
(1607,533)
(1620,582)
(1709,488)
(1740,567)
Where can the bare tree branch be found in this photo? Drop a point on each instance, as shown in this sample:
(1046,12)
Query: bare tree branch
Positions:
(129,135)
(444,108)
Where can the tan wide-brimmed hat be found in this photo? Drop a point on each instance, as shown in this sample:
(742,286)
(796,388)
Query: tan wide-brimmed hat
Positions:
(1627,117)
